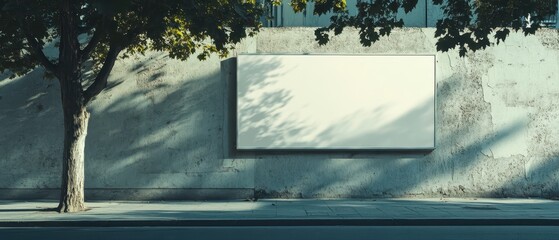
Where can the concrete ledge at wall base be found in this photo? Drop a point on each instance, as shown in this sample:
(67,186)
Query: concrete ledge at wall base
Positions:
(136,194)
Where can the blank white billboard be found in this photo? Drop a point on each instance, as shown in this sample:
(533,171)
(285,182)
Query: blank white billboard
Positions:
(315,102)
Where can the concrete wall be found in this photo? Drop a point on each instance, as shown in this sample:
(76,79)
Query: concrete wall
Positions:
(163,129)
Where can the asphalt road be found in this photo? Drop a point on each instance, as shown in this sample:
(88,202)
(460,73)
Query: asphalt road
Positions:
(285,233)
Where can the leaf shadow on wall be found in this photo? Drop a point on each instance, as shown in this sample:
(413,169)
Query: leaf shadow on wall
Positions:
(451,170)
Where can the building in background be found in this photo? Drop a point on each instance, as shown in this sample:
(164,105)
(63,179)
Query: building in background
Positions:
(425,14)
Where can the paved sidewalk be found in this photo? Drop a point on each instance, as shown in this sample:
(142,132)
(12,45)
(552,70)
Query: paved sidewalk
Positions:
(272,212)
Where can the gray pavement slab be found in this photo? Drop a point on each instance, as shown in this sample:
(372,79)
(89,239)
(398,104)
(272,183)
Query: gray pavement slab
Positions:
(289,212)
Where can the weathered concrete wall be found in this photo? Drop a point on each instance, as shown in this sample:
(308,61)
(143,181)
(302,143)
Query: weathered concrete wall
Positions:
(162,130)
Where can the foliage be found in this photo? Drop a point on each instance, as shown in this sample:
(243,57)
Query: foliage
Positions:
(469,25)
(135,26)
(184,28)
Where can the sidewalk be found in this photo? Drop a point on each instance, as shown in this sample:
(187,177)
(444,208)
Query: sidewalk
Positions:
(293,212)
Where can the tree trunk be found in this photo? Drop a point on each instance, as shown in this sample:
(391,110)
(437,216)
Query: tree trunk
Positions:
(76,119)
(75,113)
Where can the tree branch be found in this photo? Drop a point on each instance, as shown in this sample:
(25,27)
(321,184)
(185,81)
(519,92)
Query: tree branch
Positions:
(99,32)
(100,81)
(116,47)
(84,53)
(35,47)
(37,50)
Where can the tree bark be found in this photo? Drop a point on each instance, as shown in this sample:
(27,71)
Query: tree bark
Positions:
(74,102)
(76,120)
(75,113)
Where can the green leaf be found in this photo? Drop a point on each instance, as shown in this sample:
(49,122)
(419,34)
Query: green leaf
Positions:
(502,34)
(321,36)
(409,5)
(299,5)
(111,7)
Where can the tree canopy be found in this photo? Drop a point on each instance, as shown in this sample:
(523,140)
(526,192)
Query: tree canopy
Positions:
(103,27)
(183,27)
(468,25)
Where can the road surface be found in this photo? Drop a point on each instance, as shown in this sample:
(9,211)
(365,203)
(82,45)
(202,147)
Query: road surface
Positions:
(286,232)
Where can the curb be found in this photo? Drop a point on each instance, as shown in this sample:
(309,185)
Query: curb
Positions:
(286,223)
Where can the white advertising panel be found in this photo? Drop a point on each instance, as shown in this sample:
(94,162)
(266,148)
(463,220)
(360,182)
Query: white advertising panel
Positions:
(314,102)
